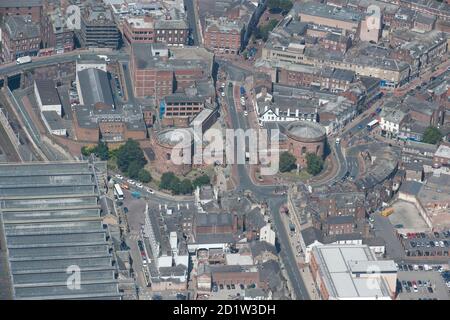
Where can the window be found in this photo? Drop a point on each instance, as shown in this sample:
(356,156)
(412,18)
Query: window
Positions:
(303,151)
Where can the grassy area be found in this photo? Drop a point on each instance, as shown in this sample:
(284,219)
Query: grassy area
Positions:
(303,175)
(194,173)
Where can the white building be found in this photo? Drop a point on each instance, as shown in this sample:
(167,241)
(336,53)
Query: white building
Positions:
(47,96)
(99,64)
(390,121)
(352,272)
(267,234)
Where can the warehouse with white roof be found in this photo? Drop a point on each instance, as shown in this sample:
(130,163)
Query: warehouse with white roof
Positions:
(351,272)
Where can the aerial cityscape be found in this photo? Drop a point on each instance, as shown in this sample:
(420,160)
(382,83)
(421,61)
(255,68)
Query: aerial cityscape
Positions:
(224,150)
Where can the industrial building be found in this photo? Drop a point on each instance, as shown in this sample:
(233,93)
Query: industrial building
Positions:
(94,87)
(56,244)
(351,272)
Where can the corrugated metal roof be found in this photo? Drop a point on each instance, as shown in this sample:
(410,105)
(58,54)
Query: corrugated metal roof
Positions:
(48,228)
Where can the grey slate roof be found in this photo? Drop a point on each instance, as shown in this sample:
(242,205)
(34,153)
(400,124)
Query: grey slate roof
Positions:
(411,187)
(47,92)
(258,247)
(310,235)
(340,219)
(20,4)
(95,87)
(213,219)
(54,120)
(21,27)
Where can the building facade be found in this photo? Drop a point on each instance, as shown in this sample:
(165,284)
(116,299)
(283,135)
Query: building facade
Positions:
(21,37)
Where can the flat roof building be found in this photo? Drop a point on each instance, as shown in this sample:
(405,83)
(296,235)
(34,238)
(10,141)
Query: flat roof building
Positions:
(47,96)
(351,272)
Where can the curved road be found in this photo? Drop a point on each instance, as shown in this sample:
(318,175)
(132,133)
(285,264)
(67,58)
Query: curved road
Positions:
(12,68)
(274,202)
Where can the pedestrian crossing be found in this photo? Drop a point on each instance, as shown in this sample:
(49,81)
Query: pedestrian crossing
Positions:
(134,237)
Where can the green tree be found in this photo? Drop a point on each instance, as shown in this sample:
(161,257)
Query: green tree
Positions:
(432,135)
(186,186)
(166,180)
(202,180)
(287,162)
(281,5)
(169,181)
(144,176)
(128,153)
(175,185)
(314,164)
(262,32)
(133,169)
(102,151)
(86,151)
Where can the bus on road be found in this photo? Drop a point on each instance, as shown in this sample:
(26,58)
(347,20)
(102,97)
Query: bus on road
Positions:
(118,193)
(372,124)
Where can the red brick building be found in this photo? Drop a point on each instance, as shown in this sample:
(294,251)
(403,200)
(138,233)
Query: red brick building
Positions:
(180,106)
(55,33)
(305,137)
(223,36)
(339,225)
(307,76)
(148,30)
(21,37)
(139,30)
(335,42)
(172,32)
(154,74)
(166,144)
(31,8)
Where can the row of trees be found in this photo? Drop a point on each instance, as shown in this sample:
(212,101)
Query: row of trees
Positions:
(169,181)
(288,162)
(129,157)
